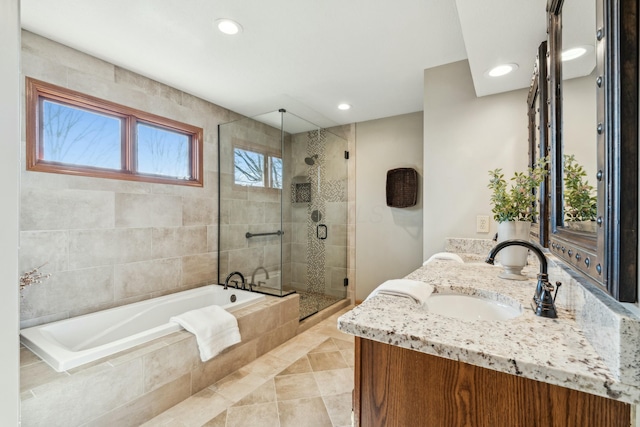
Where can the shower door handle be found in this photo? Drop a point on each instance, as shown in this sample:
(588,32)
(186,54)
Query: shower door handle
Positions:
(321,231)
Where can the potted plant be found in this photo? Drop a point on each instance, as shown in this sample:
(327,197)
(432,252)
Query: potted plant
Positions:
(514,209)
(580,202)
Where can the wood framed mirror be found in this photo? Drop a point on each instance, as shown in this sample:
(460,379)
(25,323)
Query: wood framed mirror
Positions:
(609,254)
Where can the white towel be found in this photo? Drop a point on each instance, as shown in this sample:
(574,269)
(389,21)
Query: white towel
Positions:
(415,290)
(449,256)
(214,327)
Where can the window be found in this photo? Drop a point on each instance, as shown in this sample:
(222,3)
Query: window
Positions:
(72,133)
(250,166)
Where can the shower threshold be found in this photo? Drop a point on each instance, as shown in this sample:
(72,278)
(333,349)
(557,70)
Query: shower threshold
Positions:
(312,302)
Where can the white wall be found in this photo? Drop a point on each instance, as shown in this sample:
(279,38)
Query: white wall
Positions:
(464,138)
(9,146)
(388,240)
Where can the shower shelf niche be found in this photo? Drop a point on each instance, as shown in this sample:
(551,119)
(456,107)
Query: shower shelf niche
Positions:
(300,190)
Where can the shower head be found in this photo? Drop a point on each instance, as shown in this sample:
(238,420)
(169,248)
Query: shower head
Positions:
(310,160)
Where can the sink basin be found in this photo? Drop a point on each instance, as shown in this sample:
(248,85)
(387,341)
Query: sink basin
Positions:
(469,307)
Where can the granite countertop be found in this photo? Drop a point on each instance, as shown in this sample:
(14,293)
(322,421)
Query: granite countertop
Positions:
(554,351)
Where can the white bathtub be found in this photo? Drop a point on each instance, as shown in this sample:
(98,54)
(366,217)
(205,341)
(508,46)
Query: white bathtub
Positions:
(73,342)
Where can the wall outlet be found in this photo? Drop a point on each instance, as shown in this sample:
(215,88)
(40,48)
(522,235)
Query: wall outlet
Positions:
(482,224)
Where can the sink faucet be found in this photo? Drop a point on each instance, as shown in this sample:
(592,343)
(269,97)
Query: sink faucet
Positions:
(253,276)
(234,273)
(542,303)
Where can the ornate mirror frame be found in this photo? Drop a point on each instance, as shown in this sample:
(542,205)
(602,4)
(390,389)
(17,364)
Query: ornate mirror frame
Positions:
(538,137)
(610,258)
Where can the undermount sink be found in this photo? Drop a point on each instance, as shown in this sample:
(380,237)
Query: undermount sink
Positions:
(470,307)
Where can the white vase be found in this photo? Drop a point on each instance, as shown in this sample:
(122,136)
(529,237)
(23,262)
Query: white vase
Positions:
(513,258)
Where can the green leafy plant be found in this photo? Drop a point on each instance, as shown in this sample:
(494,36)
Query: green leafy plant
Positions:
(580,202)
(517,202)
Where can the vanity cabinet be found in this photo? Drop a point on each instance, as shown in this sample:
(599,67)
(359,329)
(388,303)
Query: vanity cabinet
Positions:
(399,387)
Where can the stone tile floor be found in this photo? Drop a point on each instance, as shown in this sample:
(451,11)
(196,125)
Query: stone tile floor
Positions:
(306,381)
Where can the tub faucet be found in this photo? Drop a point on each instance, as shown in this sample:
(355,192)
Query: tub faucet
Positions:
(253,276)
(234,273)
(542,303)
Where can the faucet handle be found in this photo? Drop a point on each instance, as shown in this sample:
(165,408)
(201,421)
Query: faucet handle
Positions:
(558,284)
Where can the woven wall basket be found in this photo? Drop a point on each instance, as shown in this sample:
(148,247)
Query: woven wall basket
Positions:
(402,187)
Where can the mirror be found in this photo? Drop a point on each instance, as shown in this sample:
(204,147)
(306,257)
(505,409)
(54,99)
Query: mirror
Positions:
(600,143)
(579,106)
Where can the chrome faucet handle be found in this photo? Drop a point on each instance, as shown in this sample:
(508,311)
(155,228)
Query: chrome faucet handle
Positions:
(235,282)
(261,282)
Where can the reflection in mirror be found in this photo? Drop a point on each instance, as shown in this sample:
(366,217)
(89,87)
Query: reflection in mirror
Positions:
(579,116)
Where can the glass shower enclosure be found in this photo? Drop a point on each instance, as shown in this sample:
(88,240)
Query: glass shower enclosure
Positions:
(282,219)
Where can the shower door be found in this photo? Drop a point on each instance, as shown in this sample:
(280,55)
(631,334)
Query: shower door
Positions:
(318,205)
(283,208)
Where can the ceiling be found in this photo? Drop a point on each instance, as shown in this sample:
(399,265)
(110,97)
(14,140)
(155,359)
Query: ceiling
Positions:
(305,56)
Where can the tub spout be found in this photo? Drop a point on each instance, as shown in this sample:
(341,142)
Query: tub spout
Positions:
(543,304)
(235,273)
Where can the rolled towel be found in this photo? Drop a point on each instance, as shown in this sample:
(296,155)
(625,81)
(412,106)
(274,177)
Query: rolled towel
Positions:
(413,289)
(214,327)
(449,256)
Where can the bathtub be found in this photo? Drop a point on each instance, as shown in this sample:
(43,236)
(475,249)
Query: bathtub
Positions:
(73,342)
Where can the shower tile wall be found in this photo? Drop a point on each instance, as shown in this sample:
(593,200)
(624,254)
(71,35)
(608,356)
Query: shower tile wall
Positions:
(109,242)
(249,209)
(320,266)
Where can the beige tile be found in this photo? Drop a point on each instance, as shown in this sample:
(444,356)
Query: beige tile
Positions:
(304,412)
(180,241)
(49,249)
(326,361)
(263,415)
(196,410)
(200,268)
(237,389)
(267,366)
(205,374)
(327,345)
(339,408)
(36,374)
(169,363)
(91,248)
(50,209)
(147,210)
(27,357)
(337,381)
(199,211)
(263,394)
(145,277)
(218,421)
(80,398)
(68,290)
(147,406)
(300,366)
(349,357)
(46,48)
(298,346)
(296,386)
(343,344)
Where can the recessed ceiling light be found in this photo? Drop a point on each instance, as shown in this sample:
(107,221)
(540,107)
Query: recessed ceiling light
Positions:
(228,26)
(575,52)
(501,70)
(344,107)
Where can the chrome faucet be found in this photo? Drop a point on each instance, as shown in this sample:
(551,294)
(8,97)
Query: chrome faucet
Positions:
(542,303)
(234,273)
(253,276)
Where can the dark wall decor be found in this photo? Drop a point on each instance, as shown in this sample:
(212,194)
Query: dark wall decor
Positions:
(402,187)
(608,256)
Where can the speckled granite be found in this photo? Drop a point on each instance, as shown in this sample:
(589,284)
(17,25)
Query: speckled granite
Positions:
(612,330)
(555,351)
